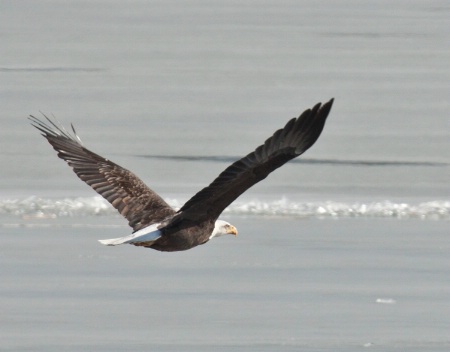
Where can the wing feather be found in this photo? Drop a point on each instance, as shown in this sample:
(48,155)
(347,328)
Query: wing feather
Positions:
(140,205)
(298,135)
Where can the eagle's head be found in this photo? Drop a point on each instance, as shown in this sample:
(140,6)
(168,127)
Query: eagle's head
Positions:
(223,228)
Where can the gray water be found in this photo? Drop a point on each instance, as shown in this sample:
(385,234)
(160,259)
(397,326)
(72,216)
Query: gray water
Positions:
(177,91)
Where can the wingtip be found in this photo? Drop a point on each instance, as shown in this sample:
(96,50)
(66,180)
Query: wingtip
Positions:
(325,108)
(329,103)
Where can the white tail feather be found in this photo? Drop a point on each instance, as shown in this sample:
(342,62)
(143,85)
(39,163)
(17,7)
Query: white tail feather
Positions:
(147,234)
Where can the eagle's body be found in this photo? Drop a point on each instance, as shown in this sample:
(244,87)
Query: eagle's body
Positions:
(156,225)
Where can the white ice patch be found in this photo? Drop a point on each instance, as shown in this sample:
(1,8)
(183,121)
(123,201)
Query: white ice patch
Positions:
(386,300)
(49,208)
(147,234)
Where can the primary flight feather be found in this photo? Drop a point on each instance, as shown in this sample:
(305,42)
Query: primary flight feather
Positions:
(156,225)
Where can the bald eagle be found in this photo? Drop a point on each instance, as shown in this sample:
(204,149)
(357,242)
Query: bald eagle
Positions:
(155,224)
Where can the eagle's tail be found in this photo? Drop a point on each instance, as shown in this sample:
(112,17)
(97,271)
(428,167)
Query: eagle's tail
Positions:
(146,235)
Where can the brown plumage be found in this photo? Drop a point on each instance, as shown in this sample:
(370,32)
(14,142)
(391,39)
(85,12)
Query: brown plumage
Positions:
(155,223)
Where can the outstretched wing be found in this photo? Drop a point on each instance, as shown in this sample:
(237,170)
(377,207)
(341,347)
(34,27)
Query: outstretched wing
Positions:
(287,143)
(124,190)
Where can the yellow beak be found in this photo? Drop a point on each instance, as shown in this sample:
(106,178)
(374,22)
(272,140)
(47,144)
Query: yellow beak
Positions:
(232,231)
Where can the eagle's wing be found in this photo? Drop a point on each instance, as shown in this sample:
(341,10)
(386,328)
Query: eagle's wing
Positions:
(287,143)
(124,190)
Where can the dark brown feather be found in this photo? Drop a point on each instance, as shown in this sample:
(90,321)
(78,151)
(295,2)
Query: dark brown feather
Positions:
(140,205)
(295,138)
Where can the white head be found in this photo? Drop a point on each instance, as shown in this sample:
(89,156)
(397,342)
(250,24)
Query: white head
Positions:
(223,228)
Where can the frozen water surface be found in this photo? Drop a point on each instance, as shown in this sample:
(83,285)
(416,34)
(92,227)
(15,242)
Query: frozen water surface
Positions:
(346,249)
